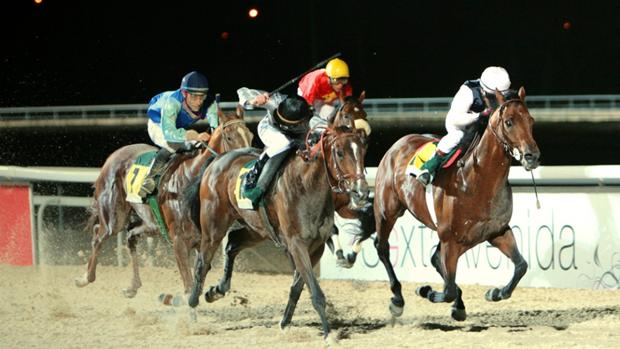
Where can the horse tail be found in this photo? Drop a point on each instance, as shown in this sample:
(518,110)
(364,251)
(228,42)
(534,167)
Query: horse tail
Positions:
(191,194)
(93,219)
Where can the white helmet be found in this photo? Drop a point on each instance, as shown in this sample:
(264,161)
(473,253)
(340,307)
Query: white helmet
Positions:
(495,78)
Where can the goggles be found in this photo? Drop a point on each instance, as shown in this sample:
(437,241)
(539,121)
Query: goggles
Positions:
(337,81)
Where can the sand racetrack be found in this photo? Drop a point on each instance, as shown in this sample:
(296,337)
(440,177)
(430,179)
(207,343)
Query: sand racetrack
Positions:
(41,308)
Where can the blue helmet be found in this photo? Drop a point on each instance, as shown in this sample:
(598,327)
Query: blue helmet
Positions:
(195,82)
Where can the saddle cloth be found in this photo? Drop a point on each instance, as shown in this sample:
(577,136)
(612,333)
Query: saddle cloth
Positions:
(424,153)
(136,175)
(243,202)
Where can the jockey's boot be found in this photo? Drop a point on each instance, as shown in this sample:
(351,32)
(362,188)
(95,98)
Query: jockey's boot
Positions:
(159,164)
(254,191)
(430,167)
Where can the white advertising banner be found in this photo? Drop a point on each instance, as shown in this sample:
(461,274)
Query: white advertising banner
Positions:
(573,241)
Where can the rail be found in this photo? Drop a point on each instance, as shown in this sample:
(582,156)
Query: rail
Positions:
(546,108)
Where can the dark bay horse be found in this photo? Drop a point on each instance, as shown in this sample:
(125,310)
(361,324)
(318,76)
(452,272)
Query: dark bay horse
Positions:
(298,208)
(473,202)
(112,213)
(350,115)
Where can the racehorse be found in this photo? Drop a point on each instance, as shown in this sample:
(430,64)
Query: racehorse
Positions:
(111,213)
(351,115)
(297,211)
(473,202)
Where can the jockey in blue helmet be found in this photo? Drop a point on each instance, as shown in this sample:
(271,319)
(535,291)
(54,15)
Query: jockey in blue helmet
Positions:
(170,113)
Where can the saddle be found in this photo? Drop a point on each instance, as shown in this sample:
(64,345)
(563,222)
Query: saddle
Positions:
(141,167)
(426,151)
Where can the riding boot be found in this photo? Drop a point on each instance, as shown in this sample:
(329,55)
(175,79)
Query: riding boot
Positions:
(159,164)
(252,176)
(265,177)
(427,175)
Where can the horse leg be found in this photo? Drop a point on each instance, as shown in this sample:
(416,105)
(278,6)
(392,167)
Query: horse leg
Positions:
(213,231)
(238,241)
(132,241)
(507,244)
(458,307)
(384,227)
(364,230)
(303,264)
(449,256)
(181,255)
(296,288)
(336,247)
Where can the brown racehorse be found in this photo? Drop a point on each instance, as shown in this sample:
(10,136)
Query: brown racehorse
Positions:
(473,202)
(351,115)
(298,208)
(112,213)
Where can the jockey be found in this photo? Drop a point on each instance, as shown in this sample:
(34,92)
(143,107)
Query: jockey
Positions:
(466,107)
(170,113)
(323,88)
(287,119)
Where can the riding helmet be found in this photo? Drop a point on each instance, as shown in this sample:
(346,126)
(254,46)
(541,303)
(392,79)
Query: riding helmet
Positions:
(493,78)
(195,82)
(293,115)
(337,68)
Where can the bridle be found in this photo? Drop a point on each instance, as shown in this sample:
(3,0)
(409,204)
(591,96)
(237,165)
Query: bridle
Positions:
(508,148)
(340,182)
(229,123)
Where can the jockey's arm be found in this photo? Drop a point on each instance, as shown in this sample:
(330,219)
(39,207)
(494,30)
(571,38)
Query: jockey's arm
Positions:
(248,96)
(459,114)
(169,112)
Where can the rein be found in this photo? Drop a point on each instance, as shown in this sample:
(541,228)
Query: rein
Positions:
(514,152)
(342,179)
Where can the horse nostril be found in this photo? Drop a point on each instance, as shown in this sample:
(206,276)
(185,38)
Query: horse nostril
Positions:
(529,157)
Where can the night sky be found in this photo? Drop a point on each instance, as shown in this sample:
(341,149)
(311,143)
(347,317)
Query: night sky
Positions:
(88,52)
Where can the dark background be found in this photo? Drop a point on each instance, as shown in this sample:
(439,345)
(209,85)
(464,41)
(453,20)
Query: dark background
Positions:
(85,52)
(107,52)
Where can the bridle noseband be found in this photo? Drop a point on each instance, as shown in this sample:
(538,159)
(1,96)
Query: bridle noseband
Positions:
(340,183)
(508,148)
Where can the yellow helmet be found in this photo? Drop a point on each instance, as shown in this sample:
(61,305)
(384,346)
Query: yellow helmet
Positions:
(337,68)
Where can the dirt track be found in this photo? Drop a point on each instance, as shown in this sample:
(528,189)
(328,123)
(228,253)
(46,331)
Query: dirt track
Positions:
(41,308)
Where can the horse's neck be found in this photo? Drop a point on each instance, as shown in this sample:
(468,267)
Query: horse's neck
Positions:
(313,173)
(488,162)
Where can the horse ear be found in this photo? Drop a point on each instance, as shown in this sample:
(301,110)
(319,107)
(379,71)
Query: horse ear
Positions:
(240,112)
(220,113)
(522,93)
(362,96)
(500,97)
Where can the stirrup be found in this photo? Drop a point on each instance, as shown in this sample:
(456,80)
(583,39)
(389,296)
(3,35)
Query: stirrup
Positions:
(425,177)
(148,186)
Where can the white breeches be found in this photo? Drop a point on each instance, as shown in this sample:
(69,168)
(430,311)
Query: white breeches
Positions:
(455,133)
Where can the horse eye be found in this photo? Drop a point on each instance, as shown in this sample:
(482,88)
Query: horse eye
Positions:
(340,154)
(508,123)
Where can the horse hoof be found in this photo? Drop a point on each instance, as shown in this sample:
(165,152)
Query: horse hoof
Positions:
(192,301)
(129,293)
(331,341)
(423,291)
(81,281)
(343,263)
(213,294)
(459,314)
(396,310)
(284,325)
(493,295)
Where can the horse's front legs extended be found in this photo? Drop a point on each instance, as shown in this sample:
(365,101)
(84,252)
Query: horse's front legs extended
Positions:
(507,244)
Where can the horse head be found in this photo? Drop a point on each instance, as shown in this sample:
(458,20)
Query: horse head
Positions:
(352,114)
(511,123)
(231,133)
(343,151)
